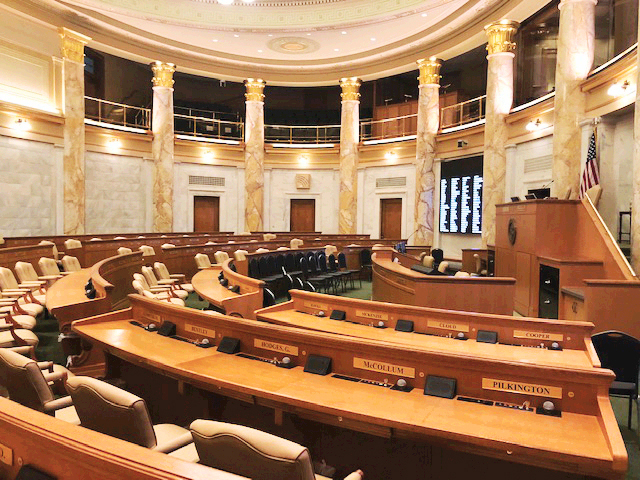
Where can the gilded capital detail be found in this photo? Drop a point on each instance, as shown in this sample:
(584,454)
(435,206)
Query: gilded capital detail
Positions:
(163,74)
(255,89)
(501,36)
(350,87)
(72,45)
(429,71)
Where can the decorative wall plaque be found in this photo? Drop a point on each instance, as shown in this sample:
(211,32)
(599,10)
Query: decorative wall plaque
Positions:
(303,181)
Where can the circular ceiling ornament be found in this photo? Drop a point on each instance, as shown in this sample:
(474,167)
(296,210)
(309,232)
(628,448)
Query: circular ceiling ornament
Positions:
(293,45)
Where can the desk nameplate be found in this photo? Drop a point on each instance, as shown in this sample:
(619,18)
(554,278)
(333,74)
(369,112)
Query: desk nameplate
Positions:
(317,305)
(275,347)
(522,388)
(552,337)
(382,367)
(444,325)
(207,332)
(372,315)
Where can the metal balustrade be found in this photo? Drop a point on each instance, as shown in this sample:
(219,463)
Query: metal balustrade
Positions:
(463,112)
(113,113)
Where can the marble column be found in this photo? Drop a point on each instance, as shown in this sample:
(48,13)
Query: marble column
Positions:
(72,48)
(254,155)
(349,155)
(162,146)
(635,204)
(499,101)
(575,57)
(428,123)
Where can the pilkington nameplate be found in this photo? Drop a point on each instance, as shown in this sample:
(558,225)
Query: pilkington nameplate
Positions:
(207,332)
(372,315)
(522,388)
(444,325)
(275,347)
(552,337)
(375,366)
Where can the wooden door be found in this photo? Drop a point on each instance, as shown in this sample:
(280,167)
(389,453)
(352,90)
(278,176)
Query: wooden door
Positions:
(391,218)
(206,214)
(303,215)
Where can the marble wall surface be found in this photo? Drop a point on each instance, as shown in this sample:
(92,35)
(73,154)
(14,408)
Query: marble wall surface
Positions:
(349,137)
(254,166)
(163,148)
(117,188)
(29,183)
(528,167)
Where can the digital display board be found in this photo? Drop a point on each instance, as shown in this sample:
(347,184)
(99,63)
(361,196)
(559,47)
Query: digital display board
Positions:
(461,196)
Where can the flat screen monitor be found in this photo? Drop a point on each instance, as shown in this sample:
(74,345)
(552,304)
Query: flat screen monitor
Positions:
(461,196)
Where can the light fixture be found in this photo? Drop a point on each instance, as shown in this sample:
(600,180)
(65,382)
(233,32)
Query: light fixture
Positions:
(248,1)
(303,161)
(391,156)
(618,89)
(236,35)
(22,124)
(114,144)
(225,2)
(343,32)
(534,125)
(208,156)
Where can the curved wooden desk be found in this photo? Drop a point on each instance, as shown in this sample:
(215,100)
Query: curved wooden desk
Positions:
(395,283)
(584,440)
(242,304)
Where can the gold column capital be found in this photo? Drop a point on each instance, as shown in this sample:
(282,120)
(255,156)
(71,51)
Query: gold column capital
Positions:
(72,44)
(163,74)
(350,88)
(501,35)
(429,71)
(255,89)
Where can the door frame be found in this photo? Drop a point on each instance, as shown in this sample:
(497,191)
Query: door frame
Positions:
(402,194)
(302,196)
(192,193)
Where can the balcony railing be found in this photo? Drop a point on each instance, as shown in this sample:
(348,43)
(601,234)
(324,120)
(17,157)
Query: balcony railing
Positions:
(113,113)
(464,112)
(395,127)
(294,134)
(208,127)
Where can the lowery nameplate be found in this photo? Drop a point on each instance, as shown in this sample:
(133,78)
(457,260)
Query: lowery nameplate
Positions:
(523,388)
(552,337)
(444,325)
(275,347)
(375,366)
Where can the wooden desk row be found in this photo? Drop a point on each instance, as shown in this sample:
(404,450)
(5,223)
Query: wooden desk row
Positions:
(494,412)
(396,282)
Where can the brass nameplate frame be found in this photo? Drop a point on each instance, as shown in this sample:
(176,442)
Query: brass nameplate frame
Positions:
(317,305)
(521,388)
(444,325)
(376,366)
(207,332)
(552,337)
(372,315)
(275,347)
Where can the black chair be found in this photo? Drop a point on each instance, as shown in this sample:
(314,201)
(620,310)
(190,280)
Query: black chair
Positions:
(365,263)
(342,262)
(291,266)
(297,283)
(268,298)
(309,272)
(335,268)
(333,278)
(621,353)
(438,256)
(254,268)
(309,287)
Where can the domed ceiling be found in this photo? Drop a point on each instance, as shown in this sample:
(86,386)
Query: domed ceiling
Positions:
(287,42)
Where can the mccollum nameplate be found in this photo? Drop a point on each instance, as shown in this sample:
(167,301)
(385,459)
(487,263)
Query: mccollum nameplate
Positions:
(375,366)
(523,388)
(275,347)
(552,337)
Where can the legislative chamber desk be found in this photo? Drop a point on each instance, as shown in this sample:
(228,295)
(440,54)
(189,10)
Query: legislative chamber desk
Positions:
(491,425)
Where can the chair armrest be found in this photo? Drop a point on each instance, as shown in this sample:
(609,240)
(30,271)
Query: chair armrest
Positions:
(62,274)
(5,326)
(15,291)
(58,403)
(160,289)
(31,283)
(177,276)
(357,475)
(45,278)
(26,350)
(54,376)
(168,281)
(175,443)
(45,366)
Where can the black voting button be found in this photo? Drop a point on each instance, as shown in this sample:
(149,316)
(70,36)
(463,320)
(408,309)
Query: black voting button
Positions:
(440,387)
(229,345)
(338,315)
(487,336)
(404,325)
(167,329)
(318,364)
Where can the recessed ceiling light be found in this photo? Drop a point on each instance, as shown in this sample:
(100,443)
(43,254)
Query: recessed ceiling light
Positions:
(423,15)
(214,40)
(259,51)
(343,32)
(270,35)
(225,2)
(336,49)
(236,35)
(373,39)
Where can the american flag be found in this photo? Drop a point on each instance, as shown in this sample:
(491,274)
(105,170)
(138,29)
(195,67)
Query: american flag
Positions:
(590,175)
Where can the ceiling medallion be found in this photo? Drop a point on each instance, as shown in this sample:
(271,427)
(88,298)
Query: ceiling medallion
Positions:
(293,45)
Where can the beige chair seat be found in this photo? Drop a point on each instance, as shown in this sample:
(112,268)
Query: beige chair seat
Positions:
(187,454)
(32,309)
(7,340)
(68,414)
(25,321)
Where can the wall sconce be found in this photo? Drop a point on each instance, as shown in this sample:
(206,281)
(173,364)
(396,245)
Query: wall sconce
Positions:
(391,156)
(618,89)
(208,156)
(303,161)
(22,124)
(114,144)
(534,125)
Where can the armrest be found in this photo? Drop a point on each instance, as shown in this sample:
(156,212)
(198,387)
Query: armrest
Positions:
(357,475)
(54,376)
(6,326)
(177,276)
(167,281)
(15,291)
(58,403)
(26,350)
(45,366)
(159,289)
(62,274)
(44,278)
(31,283)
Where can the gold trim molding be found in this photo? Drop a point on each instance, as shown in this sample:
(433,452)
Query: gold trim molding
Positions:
(255,89)
(429,71)
(163,74)
(72,44)
(350,88)
(501,35)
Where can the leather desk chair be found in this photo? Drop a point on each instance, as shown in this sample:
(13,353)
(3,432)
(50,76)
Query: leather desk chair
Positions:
(30,302)
(152,281)
(240,255)
(442,267)
(29,385)
(124,251)
(55,249)
(330,250)
(268,236)
(27,275)
(48,266)
(427,261)
(11,313)
(462,274)
(262,250)
(202,261)
(295,243)
(110,410)
(147,251)
(252,453)
(244,233)
(162,296)
(221,257)
(167,245)
(70,264)
(72,243)
(162,273)
(282,249)
(11,335)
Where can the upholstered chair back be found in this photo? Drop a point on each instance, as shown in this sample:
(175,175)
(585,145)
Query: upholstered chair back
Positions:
(26,272)
(146,250)
(462,274)
(72,243)
(149,276)
(71,264)
(202,260)
(54,248)
(221,256)
(296,243)
(442,268)
(110,410)
(23,379)
(168,245)
(268,236)
(240,255)
(142,280)
(249,452)
(48,266)
(7,279)
(330,250)
(161,271)
(427,261)
(124,251)
(262,250)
